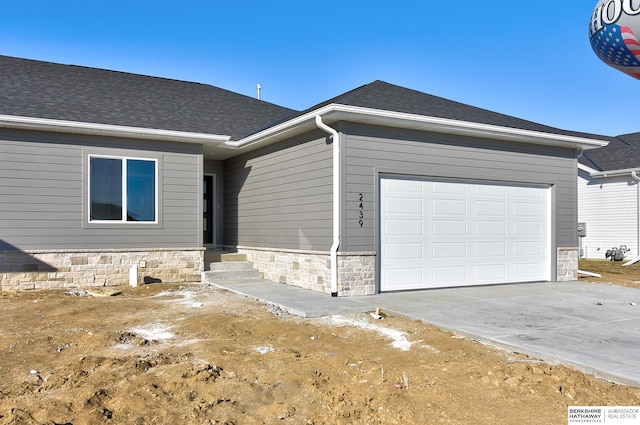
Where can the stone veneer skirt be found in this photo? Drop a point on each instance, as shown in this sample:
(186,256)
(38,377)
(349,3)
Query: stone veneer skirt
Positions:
(312,269)
(48,269)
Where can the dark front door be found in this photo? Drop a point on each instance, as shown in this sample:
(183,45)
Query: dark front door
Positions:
(208,191)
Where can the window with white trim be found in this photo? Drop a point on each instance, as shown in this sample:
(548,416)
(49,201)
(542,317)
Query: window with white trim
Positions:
(123,189)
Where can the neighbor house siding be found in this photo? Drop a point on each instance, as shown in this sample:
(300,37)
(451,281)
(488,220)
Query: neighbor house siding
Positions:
(371,151)
(609,207)
(42,187)
(281,196)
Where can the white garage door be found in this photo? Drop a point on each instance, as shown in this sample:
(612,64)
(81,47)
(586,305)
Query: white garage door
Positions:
(458,233)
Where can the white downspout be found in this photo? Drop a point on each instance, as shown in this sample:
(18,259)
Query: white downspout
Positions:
(637,179)
(336,203)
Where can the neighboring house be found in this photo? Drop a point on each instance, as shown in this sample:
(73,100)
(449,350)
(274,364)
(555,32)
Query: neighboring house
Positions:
(608,197)
(382,188)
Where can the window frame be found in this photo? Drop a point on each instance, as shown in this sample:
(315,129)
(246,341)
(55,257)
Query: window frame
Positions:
(123,221)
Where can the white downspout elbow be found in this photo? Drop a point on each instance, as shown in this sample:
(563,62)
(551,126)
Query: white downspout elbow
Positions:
(336,203)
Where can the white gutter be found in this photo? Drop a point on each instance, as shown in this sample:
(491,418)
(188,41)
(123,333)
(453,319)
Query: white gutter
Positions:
(77,127)
(615,173)
(336,112)
(336,203)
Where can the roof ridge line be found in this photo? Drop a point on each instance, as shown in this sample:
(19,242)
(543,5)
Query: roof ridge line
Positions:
(361,90)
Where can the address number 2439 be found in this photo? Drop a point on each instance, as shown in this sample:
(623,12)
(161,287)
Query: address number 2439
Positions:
(361,210)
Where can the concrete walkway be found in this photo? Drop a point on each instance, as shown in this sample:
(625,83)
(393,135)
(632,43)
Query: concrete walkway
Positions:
(594,328)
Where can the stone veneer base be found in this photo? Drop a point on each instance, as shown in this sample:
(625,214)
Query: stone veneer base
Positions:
(49,269)
(312,269)
(568,264)
(356,270)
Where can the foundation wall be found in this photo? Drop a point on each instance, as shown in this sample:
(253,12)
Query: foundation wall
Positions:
(77,268)
(312,270)
(568,264)
(357,274)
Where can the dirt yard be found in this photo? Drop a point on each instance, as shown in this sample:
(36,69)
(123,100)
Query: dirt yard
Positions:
(193,354)
(612,272)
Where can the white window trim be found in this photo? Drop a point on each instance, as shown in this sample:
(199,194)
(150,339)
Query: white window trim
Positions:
(123,220)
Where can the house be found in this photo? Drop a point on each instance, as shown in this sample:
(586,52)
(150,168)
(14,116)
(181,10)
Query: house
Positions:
(382,188)
(609,197)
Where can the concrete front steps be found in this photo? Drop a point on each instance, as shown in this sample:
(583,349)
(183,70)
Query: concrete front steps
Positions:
(229,266)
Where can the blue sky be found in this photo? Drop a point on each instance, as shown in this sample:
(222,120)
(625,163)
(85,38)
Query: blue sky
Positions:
(528,59)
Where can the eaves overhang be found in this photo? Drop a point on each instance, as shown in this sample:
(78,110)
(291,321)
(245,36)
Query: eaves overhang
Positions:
(615,173)
(109,130)
(587,169)
(336,112)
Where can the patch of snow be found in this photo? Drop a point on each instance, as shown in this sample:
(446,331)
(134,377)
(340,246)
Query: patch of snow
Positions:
(399,338)
(187,298)
(154,332)
(163,294)
(265,350)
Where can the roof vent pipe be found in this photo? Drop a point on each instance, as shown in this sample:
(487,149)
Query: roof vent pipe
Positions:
(336,203)
(258,89)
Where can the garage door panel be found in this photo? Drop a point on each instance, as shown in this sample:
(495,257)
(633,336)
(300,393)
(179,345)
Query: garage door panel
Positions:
(406,227)
(527,210)
(445,275)
(449,228)
(405,278)
(526,271)
(471,233)
(527,228)
(494,209)
(491,273)
(528,249)
(449,207)
(402,186)
(450,189)
(491,229)
(404,252)
(533,193)
(446,250)
(404,206)
(491,249)
(490,191)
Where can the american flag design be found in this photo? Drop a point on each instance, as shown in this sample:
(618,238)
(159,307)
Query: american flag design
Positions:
(618,46)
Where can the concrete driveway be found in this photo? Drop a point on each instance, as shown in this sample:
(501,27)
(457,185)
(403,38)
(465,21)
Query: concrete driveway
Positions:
(592,327)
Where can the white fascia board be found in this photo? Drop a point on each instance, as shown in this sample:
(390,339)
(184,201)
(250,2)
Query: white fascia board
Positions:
(615,173)
(77,127)
(587,169)
(336,112)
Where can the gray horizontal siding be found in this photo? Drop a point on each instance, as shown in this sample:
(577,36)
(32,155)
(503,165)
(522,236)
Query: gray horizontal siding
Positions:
(370,149)
(281,196)
(42,199)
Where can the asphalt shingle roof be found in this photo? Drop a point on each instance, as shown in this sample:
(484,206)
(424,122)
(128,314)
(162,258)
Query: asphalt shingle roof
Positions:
(390,97)
(622,153)
(75,93)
